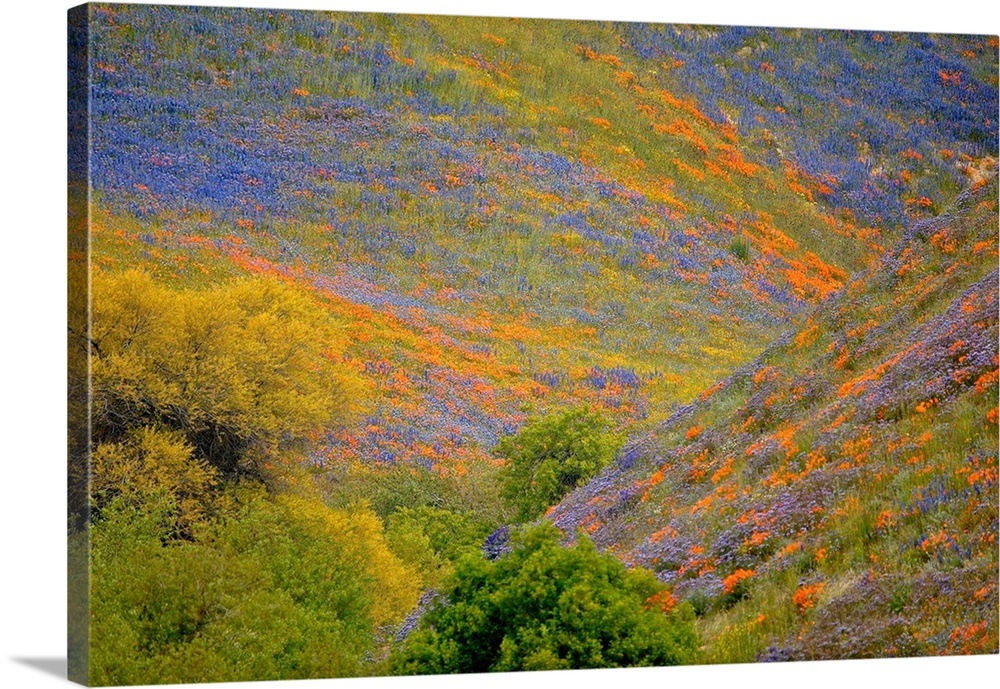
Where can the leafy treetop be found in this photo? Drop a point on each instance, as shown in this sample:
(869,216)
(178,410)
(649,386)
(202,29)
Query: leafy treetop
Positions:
(544,606)
(553,455)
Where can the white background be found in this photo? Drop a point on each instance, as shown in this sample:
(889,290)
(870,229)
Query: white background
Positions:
(32,284)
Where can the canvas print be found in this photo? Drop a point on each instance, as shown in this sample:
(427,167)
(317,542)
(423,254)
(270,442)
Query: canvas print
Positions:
(428,344)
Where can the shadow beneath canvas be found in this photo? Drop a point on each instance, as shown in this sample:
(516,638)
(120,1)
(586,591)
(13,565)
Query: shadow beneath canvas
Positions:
(49,665)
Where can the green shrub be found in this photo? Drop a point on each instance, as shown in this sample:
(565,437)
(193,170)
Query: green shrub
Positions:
(740,248)
(432,539)
(700,602)
(277,587)
(553,455)
(545,606)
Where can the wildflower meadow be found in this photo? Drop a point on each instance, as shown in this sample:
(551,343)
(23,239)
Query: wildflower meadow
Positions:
(427,344)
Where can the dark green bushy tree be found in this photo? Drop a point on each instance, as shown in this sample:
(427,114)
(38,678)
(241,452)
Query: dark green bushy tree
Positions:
(553,455)
(544,606)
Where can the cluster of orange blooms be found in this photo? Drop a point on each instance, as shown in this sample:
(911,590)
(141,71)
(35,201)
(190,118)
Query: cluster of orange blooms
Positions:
(662,601)
(805,596)
(730,582)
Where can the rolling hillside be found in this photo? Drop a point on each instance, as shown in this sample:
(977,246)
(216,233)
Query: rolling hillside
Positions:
(515,215)
(342,263)
(818,502)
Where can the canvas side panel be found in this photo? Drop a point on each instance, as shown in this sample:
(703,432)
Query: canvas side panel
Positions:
(78,363)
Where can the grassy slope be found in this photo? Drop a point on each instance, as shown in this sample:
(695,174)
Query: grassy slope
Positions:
(837,497)
(509,216)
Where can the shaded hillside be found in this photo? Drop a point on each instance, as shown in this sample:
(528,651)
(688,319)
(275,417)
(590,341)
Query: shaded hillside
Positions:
(818,502)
